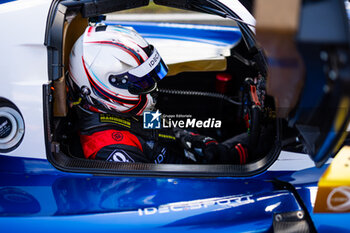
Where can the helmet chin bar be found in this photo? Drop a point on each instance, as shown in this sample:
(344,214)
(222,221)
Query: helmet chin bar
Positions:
(147,91)
(146,102)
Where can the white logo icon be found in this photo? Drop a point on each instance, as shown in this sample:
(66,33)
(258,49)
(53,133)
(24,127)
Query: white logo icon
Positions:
(151,120)
(120,156)
(339,199)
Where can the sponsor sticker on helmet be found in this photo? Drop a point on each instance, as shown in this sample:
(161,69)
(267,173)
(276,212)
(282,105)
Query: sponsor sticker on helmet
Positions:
(146,67)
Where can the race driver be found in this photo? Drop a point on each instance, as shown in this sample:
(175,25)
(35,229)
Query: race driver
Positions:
(113,75)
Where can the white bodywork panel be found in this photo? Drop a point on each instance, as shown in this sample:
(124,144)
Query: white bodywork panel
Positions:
(172,53)
(291,161)
(23,68)
(241,11)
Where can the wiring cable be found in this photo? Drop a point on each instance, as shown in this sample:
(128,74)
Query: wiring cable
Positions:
(199,93)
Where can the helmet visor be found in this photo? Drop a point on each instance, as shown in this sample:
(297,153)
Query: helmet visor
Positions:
(143,79)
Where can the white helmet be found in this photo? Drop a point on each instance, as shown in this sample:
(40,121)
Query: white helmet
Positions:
(115,69)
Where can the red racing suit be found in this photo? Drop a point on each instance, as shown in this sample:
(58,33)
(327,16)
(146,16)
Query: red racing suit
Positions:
(122,139)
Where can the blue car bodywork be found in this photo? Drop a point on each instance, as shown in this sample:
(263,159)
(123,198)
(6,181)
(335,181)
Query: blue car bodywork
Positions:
(44,199)
(36,197)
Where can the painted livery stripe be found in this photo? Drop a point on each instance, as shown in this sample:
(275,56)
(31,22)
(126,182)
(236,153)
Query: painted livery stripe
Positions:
(139,106)
(130,51)
(6,1)
(104,93)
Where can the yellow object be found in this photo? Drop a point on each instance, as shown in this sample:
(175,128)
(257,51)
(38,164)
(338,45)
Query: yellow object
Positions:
(166,136)
(109,118)
(217,64)
(333,195)
(77,102)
